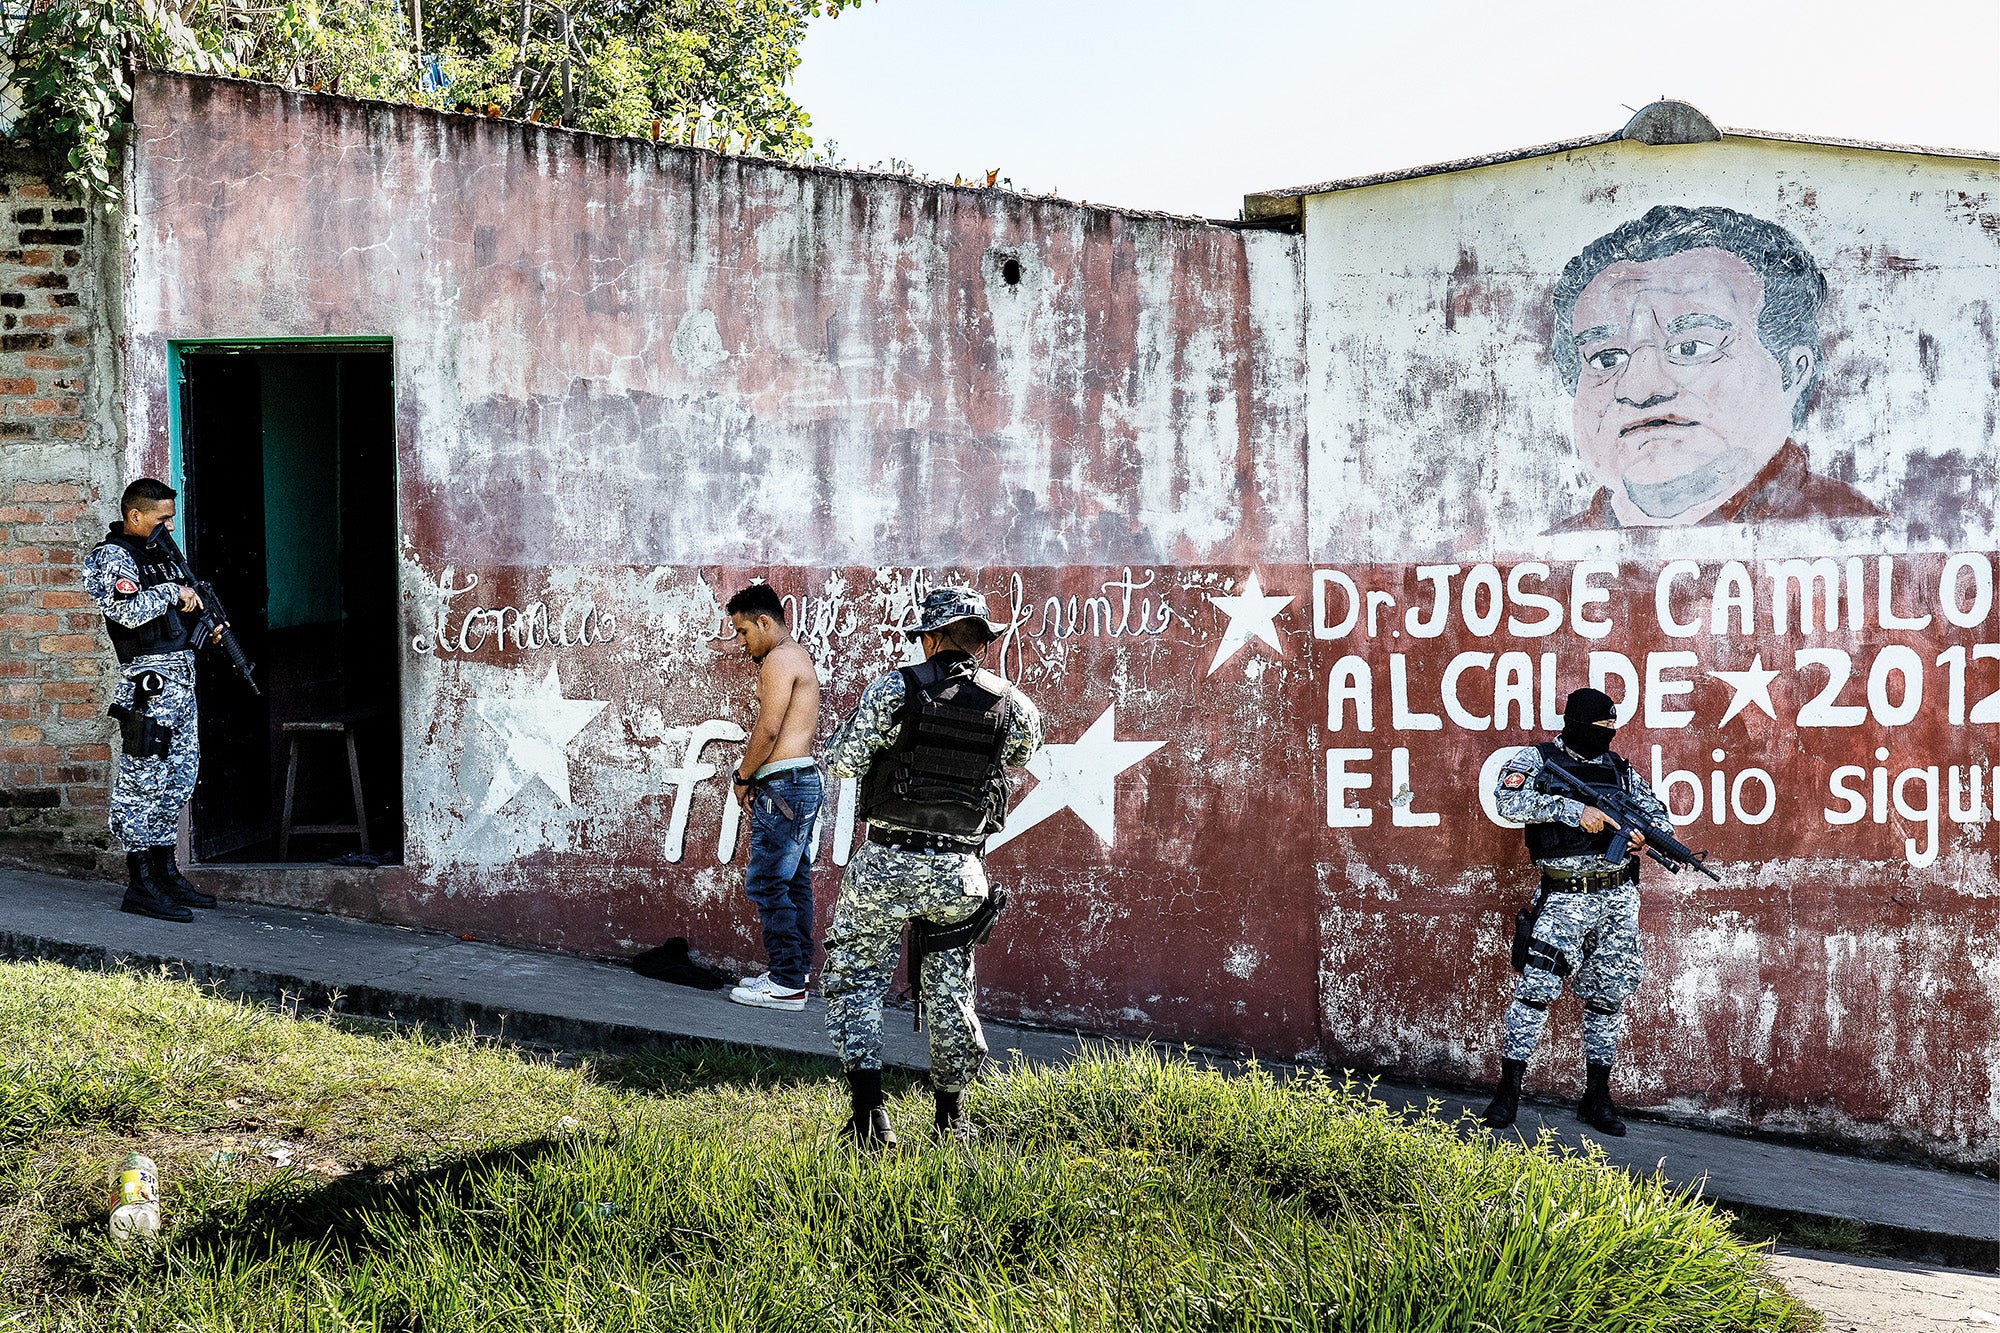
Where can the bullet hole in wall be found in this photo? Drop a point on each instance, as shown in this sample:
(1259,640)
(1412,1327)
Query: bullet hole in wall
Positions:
(1010,272)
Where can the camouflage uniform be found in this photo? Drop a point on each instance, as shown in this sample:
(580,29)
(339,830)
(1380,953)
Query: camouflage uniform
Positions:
(884,887)
(1597,934)
(147,794)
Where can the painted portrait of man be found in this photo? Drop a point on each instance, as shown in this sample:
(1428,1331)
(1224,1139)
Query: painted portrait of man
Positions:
(1689,339)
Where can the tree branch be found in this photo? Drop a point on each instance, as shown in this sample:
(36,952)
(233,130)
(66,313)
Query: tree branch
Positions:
(521,50)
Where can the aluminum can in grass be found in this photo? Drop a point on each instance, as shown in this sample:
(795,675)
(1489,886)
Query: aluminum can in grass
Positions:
(135,1200)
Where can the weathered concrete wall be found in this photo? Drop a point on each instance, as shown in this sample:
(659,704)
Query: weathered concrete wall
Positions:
(761,364)
(1841,762)
(629,379)
(59,461)
(1439,423)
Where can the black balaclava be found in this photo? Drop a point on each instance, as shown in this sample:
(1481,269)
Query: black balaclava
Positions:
(1583,710)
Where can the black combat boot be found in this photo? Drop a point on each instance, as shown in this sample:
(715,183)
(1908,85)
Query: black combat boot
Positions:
(868,1127)
(952,1124)
(1596,1109)
(1506,1103)
(144,896)
(176,884)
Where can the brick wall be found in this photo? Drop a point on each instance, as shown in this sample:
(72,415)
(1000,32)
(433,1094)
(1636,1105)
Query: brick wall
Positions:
(59,483)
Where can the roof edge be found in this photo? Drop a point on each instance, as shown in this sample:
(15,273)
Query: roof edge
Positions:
(1868,145)
(1268,203)
(1287,202)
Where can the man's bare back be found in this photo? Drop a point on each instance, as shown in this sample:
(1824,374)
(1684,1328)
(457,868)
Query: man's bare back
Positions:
(788,692)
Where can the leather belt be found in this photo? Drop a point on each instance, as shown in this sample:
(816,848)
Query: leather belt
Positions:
(1589,881)
(929,844)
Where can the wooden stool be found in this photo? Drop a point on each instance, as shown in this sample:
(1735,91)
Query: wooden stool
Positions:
(338,724)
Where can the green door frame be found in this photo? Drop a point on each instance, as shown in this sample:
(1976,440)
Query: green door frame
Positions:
(178,347)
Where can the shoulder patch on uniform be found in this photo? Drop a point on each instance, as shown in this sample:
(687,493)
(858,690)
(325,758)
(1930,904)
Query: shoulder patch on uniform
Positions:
(127,588)
(1514,780)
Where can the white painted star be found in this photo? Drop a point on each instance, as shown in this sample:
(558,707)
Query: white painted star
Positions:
(1250,613)
(1752,687)
(1078,777)
(535,728)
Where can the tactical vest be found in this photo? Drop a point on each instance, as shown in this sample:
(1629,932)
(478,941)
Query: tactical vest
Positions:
(943,774)
(172,632)
(1548,841)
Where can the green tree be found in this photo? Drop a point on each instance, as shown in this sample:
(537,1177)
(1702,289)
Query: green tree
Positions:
(703,70)
(692,71)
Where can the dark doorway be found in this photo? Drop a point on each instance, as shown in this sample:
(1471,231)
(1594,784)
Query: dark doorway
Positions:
(289,460)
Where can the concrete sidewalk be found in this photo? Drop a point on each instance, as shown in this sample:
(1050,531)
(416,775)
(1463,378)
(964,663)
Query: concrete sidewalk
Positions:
(1885,1296)
(391,972)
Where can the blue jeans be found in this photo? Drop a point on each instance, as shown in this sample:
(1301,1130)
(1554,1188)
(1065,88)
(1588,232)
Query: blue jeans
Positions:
(779,879)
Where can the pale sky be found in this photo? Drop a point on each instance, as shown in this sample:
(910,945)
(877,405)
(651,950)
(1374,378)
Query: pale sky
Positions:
(1185,107)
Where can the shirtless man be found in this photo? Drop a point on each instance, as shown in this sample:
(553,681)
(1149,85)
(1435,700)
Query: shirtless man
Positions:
(779,785)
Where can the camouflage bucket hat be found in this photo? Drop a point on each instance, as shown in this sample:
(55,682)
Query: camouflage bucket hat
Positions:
(942,606)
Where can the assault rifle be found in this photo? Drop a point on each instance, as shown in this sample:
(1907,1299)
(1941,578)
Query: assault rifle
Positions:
(1625,816)
(214,623)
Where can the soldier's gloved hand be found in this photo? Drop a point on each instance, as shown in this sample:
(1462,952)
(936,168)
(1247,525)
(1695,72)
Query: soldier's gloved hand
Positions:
(190,600)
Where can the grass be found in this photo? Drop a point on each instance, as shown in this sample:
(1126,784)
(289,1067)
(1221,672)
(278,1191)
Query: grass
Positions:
(457,1184)
(1833,1234)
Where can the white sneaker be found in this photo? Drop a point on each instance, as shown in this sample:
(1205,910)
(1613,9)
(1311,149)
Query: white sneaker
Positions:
(762,981)
(768,996)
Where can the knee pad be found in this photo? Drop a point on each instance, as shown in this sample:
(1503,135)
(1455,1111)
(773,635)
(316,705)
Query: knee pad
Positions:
(1600,1005)
(1542,1005)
